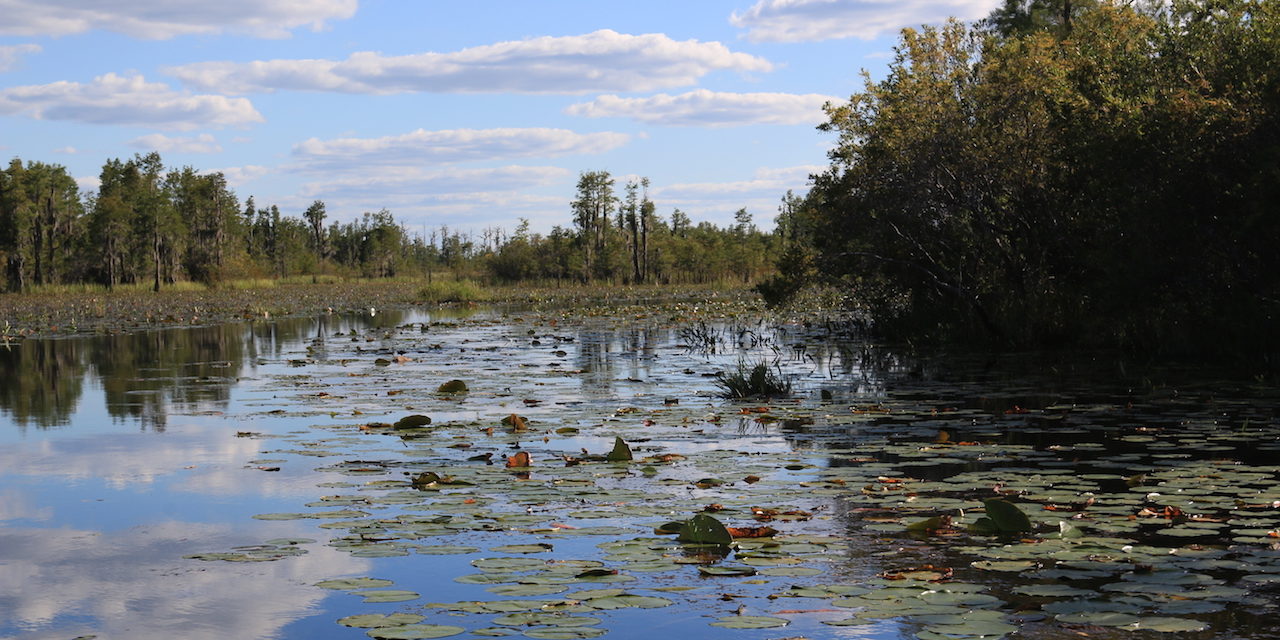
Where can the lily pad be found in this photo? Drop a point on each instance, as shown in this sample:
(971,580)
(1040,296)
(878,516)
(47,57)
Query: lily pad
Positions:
(750,622)
(415,632)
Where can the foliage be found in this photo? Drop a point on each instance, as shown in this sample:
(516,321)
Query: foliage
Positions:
(1107,183)
(757,380)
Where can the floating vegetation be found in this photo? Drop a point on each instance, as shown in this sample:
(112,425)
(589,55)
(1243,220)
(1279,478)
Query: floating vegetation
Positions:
(594,481)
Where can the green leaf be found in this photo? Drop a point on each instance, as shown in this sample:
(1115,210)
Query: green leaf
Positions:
(453,386)
(409,422)
(704,529)
(1007,517)
(621,452)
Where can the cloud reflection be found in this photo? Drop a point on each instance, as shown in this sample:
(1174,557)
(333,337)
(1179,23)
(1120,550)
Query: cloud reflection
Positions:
(57,583)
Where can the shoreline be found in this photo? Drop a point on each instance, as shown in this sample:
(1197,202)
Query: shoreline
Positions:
(70,314)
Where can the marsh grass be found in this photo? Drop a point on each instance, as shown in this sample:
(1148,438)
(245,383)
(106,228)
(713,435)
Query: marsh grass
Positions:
(751,381)
(453,291)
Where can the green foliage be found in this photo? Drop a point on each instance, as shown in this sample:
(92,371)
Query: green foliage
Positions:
(452,291)
(757,380)
(1106,184)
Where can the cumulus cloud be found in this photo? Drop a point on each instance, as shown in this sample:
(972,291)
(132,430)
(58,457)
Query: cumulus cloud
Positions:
(203,143)
(126,100)
(239,176)
(709,108)
(716,201)
(88,183)
(382,182)
(764,181)
(421,147)
(161,19)
(814,20)
(604,60)
(11,54)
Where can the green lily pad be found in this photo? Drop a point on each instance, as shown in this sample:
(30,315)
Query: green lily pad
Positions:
(565,633)
(1167,625)
(453,386)
(354,583)
(750,622)
(388,595)
(374,620)
(540,547)
(415,632)
(704,529)
(1099,618)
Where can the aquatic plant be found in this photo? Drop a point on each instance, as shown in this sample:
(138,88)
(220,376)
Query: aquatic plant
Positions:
(757,380)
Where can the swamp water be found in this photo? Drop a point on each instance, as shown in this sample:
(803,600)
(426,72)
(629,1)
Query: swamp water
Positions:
(250,481)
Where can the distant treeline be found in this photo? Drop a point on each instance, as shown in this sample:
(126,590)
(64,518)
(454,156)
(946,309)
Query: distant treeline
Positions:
(151,225)
(1065,172)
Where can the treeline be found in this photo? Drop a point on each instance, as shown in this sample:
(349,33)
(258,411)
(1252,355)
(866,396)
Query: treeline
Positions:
(1064,172)
(155,226)
(622,239)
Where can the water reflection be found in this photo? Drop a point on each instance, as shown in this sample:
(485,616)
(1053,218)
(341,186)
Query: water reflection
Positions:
(58,583)
(144,377)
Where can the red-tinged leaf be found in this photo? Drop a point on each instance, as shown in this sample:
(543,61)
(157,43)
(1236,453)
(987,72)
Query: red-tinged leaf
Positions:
(752,532)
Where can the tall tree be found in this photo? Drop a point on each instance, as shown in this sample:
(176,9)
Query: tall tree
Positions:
(315,218)
(592,207)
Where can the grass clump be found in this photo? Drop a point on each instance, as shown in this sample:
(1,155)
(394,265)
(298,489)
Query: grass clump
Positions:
(452,291)
(752,381)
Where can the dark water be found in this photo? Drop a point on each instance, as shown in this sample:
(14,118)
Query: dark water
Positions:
(120,456)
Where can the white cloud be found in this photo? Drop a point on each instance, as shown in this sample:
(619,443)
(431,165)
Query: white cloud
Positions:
(240,176)
(814,20)
(716,201)
(773,181)
(88,183)
(131,100)
(160,19)
(600,61)
(203,143)
(11,54)
(382,182)
(421,147)
(466,198)
(709,108)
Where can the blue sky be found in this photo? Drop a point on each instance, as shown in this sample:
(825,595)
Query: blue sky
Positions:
(467,114)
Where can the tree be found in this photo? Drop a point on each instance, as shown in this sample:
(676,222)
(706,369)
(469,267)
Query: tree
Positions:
(40,215)
(315,218)
(631,213)
(592,208)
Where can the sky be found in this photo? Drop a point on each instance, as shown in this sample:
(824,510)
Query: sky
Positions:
(466,114)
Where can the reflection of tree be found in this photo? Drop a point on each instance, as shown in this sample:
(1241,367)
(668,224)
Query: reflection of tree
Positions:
(41,381)
(604,354)
(144,376)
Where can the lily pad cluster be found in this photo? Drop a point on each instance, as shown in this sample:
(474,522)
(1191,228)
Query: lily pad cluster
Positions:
(963,514)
